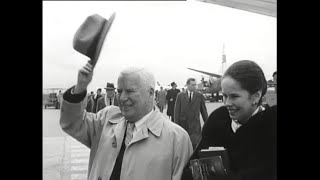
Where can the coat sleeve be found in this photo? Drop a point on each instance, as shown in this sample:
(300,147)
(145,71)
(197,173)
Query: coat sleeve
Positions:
(81,125)
(182,151)
(203,108)
(177,109)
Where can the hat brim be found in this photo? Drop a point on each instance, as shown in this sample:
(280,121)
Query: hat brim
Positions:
(101,39)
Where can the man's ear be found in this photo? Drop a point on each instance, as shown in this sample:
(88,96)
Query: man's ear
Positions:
(151,92)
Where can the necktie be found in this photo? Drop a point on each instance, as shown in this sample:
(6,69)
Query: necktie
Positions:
(129,133)
(110,101)
(190,97)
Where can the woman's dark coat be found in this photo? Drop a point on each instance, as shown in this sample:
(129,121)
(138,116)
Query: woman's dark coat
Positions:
(252,149)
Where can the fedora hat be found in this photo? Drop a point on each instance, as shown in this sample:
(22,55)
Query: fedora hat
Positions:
(110,86)
(90,36)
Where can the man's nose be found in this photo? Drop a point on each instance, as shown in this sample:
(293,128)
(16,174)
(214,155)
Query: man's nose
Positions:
(123,96)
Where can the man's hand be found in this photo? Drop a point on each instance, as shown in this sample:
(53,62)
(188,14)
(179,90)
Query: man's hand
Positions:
(84,78)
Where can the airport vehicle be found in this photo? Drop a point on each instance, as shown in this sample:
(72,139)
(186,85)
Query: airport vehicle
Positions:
(263,7)
(50,98)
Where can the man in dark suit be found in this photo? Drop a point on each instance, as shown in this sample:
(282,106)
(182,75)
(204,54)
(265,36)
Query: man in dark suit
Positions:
(109,99)
(171,99)
(187,110)
(94,101)
(89,102)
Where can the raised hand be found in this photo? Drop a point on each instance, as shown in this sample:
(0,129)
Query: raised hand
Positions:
(84,78)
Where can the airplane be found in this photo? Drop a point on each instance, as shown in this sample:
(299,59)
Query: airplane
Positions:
(264,7)
(212,86)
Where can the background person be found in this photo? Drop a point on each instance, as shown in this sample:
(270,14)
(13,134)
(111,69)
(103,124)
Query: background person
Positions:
(187,111)
(161,99)
(89,102)
(94,100)
(171,99)
(59,99)
(274,76)
(108,99)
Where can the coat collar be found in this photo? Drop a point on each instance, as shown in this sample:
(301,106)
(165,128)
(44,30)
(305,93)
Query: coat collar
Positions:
(154,123)
(186,95)
(119,131)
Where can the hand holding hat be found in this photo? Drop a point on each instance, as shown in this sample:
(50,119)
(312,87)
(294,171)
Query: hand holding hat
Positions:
(90,36)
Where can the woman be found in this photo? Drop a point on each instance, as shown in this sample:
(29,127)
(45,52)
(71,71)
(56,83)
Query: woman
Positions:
(242,126)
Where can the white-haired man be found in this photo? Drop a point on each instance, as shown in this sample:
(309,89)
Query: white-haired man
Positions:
(129,142)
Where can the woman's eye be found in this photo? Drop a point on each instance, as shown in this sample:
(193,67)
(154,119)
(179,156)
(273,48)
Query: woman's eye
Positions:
(234,96)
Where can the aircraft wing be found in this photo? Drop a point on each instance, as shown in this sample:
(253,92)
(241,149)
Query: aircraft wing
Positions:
(207,73)
(265,7)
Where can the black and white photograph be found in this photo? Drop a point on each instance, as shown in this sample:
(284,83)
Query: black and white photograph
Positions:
(136,90)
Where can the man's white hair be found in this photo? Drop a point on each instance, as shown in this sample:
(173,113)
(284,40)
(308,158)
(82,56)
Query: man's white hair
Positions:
(146,76)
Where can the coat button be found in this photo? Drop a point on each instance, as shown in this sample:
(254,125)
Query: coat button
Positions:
(99,178)
(114,144)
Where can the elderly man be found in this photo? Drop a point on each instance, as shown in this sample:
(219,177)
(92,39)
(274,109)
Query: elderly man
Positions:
(129,142)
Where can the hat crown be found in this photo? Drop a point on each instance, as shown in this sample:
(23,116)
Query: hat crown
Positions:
(110,86)
(85,38)
(90,36)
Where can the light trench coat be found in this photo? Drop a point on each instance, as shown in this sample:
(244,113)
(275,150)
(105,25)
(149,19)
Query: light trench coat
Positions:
(159,150)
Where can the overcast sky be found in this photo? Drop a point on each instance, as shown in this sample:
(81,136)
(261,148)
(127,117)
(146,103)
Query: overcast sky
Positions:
(166,37)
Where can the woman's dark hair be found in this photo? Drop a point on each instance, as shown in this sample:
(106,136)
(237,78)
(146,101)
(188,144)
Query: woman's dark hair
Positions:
(274,74)
(249,75)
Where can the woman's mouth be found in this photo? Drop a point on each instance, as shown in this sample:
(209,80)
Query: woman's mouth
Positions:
(232,111)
